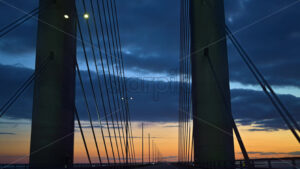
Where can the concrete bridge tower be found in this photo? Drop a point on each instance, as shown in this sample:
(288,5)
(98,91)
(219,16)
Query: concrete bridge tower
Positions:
(54,91)
(213,139)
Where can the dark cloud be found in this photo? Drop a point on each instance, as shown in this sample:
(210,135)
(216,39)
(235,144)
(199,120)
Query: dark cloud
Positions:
(98,126)
(254,107)
(132,137)
(275,153)
(150,38)
(171,126)
(150,33)
(12,78)
(154,101)
(169,157)
(22,39)
(122,137)
(146,93)
(295,153)
(272,43)
(7,133)
(146,65)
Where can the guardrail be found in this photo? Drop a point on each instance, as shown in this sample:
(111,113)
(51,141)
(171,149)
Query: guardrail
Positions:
(260,163)
(274,163)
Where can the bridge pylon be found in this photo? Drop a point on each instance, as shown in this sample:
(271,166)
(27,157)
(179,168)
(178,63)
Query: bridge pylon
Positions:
(213,139)
(52,134)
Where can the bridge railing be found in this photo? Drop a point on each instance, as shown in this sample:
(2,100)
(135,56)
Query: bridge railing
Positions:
(77,165)
(14,166)
(275,163)
(261,163)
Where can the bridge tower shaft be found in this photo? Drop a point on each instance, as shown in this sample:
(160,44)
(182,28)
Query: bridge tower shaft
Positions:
(52,135)
(213,139)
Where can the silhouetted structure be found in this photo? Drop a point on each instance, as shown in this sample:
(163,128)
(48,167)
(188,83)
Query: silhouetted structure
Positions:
(213,140)
(54,92)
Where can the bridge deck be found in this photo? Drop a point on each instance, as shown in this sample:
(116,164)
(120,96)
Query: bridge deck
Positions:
(162,166)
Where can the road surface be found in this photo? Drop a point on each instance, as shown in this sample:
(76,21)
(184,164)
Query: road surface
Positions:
(163,166)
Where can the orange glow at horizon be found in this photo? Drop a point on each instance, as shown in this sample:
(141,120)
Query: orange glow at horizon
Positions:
(260,144)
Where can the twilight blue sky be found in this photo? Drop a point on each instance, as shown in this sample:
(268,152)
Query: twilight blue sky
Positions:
(269,30)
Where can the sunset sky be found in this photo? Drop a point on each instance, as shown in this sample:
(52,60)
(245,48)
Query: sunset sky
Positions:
(269,30)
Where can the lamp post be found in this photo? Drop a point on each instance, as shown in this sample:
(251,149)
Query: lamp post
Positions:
(126,99)
(153,151)
(142,143)
(149,147)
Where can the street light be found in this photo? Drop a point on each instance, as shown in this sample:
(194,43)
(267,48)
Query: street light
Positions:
(86,16)
(127,119)
(66,16)
(125,98)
